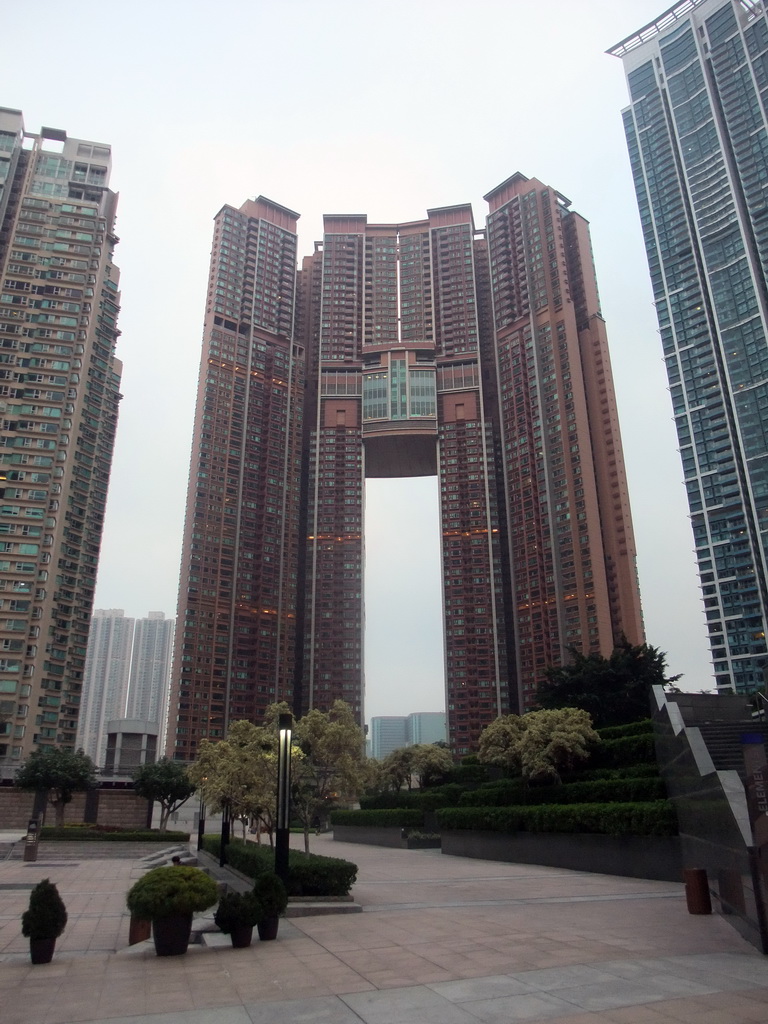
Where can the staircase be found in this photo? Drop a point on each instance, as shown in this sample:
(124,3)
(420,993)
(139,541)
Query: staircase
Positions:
(723,740)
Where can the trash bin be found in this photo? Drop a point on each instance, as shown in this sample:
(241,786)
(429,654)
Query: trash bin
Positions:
(31,840)
(697,891)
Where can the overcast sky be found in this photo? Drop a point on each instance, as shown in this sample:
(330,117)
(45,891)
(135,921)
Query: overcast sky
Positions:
(349,106)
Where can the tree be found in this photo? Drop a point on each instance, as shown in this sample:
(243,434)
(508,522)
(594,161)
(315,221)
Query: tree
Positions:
(539,745)
(58,774)
(165,781)
(397,769)
(333,767)
(430,763)
(227,772)
(614,690)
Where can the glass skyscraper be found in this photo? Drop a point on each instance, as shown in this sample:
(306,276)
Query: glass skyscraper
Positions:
(698,142)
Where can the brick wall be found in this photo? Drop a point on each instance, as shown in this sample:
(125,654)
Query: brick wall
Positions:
(120,807)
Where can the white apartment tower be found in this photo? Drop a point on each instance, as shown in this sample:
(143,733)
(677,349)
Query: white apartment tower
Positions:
(127,675)
(107,674)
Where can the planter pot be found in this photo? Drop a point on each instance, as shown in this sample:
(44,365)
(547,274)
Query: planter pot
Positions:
(41,950)
(241,936)
(171,934)
(140,930)
(268,928)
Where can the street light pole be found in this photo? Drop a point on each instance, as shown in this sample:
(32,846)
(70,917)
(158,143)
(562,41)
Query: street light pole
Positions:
(201,822)
(285,731)
(225,817)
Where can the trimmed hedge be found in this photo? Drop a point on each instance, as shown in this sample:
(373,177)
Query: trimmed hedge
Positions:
(632,771)
(380,818)
(616,732)
(308,874)
(95,834)
(603,791)
(624,751)
(471,773)
(428,799)
(640,819)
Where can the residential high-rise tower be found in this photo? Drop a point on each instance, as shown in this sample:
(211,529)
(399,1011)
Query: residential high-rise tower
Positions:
(106,678)
(697,129)
(127,675)
(151,670)
(422,348)
(59,393)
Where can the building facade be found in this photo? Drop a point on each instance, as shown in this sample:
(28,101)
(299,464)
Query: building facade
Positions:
(387,734)
(423,348)
(106,679)
(59,394)
(698,140)
(127,676)
(151,671)
(426,727)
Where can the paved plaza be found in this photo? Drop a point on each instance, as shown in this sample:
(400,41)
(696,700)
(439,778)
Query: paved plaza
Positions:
(442,940)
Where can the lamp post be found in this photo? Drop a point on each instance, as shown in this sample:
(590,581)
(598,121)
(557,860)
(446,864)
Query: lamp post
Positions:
(225,816)
(285,731)
(201,816)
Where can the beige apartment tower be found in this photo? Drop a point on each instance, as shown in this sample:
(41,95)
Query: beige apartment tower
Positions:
(59,393)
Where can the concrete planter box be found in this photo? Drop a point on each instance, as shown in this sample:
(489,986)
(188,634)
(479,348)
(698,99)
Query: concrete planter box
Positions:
(414,843)
(389,835)
(655,857)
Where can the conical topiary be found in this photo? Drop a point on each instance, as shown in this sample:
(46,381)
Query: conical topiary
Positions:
(46,917)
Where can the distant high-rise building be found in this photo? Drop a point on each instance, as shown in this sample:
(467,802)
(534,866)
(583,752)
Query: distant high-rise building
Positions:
(387,734)
(59,393)
(698,140)
(151,671)
(425,727)
(107,674)
(127,674)
(420,348)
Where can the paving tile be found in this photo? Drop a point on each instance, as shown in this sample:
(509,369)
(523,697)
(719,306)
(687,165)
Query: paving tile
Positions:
(527,1006)
(480,988)
(325,1010)
(554,978)
(416,1005)
(226,1015)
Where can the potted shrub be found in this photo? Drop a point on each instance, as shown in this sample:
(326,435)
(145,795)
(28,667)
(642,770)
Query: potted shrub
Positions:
(237,915)
(273,899)
(44,921)
(169,897)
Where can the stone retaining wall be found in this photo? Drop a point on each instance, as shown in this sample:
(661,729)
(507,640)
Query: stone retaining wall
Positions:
(655,857)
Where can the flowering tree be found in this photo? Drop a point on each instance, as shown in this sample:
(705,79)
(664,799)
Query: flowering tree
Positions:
(538,745)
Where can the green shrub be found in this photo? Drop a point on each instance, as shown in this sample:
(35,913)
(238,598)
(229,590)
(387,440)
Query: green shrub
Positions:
(46,916)
(625,751)
(270,894)
(237,910)
(385,818)
(308,873)
(471,773)
(632,771)
(589,792)
(406,798)
(641,819)
(437,796)
(100,834)
(616,732)
(164,892)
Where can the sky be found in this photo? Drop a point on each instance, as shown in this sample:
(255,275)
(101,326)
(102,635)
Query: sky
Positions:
(384,107)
